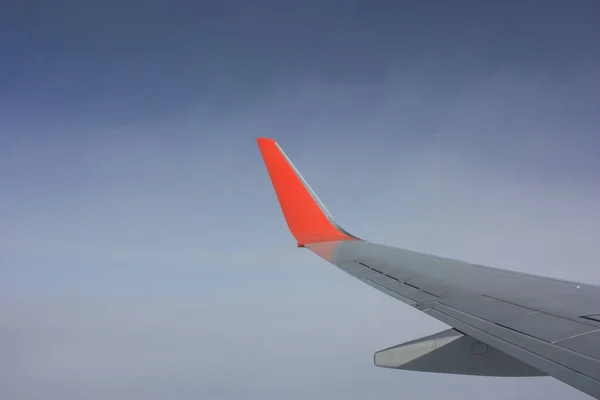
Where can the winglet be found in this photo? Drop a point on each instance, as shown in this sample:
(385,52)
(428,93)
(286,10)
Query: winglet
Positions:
(306,216)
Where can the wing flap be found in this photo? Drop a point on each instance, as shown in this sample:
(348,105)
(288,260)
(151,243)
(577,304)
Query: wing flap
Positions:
(548,328)
(587,343)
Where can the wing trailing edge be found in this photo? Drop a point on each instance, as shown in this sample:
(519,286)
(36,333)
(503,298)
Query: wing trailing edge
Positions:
(307,217)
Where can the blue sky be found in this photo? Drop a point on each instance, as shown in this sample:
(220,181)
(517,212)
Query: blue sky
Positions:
(143,252)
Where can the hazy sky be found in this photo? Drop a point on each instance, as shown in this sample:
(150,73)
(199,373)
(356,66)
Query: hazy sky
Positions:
(142,251)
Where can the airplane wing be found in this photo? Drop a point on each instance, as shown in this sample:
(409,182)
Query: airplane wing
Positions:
(504,323)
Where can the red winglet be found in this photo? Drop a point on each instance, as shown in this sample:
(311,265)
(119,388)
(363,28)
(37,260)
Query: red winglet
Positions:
(307,218)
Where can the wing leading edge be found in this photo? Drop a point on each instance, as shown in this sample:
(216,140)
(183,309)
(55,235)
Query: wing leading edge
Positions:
(505,323)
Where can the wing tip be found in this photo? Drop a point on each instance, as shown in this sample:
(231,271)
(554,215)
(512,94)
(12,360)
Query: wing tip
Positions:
(305,215)
(264,140)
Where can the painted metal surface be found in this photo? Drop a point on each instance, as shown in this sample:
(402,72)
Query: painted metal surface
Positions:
(308,219)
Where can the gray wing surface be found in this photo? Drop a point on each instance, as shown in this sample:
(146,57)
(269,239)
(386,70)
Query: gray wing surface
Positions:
(546,323)
(532,325)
